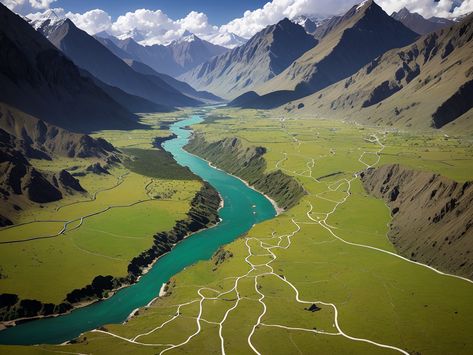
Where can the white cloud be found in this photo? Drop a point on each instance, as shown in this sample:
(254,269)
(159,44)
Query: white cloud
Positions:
(426,8)
(24,7)
(198,23)
(465,8)
(92,21)
(154,26)
(274,11)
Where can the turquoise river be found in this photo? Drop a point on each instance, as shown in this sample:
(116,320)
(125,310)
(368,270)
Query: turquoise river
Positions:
(237,217)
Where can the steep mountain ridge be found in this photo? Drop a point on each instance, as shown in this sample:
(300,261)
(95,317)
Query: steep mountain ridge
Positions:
(426,84)
(41,140)
(38,79)
(174,59)
(264,56)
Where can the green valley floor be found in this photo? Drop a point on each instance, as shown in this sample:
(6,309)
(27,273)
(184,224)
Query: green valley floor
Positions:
(321,277)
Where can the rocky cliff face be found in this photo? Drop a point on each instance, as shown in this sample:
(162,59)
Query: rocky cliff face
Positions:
(432,216)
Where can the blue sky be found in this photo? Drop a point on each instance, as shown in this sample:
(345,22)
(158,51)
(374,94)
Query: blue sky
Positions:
(220,11)
(218,21)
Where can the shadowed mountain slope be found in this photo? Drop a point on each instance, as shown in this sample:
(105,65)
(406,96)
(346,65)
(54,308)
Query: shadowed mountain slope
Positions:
(182,86)
(38,79)
(91,55)
(147,70)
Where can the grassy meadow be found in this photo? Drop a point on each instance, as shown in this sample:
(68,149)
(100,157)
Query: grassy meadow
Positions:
(104,228)
(332,248)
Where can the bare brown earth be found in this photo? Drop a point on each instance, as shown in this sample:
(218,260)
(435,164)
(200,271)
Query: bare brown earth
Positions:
(432,218)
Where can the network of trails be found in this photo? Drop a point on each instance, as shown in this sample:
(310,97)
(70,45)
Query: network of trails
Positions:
(92,234)
(330,250)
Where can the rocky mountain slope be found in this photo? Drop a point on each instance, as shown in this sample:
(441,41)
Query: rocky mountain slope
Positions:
(356,38)
(23,138)
(89,54)
(418,23)
(263,57)
(174,59)
(41,140)
(38,79)
(432,216)
(426,84)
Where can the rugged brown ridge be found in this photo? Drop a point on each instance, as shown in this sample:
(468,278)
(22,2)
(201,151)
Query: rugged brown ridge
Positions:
(432,216)
(426,84)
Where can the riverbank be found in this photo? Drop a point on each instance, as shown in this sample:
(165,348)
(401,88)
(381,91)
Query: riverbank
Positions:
(203,214)
(235,204)
(247,164)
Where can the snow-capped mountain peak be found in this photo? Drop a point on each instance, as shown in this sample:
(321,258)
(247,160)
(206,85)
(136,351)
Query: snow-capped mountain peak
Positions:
(48,17)
(227,39)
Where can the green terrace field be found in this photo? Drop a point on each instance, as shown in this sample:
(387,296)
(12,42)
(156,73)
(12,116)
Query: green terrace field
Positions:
(58,247)
(321,277)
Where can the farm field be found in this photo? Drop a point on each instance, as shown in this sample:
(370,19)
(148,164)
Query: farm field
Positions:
(322,276)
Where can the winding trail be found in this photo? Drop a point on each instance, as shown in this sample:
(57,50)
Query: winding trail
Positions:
(282,242)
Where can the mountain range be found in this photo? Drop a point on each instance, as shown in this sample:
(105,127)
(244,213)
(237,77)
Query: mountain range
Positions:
(428,83)
(40,80)
(89,54)
(350,42)
(260,59)
(173,59)
(144,69)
